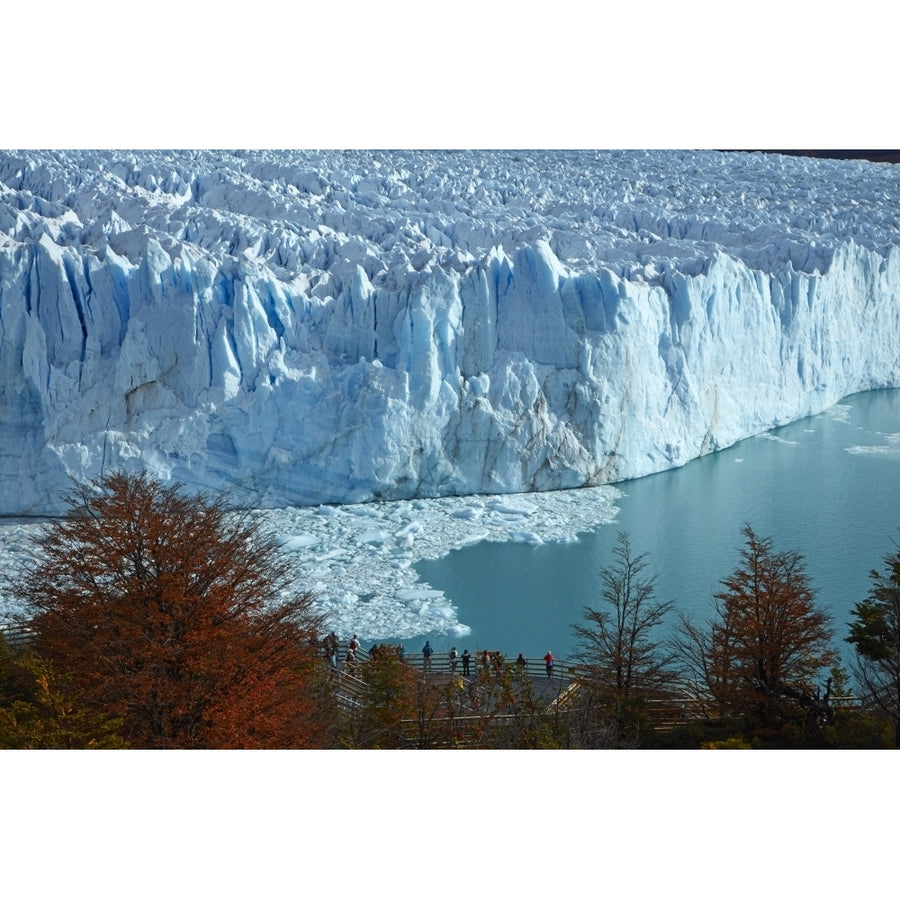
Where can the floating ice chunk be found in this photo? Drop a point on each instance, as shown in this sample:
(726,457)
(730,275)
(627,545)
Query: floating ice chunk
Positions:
(299,542)
(510,508)
(472,537)
(367,511)
(407,535)
(336,553)
(411,594)
(410,528)
(524,537)
(877,450)
(774,437)
(840,412)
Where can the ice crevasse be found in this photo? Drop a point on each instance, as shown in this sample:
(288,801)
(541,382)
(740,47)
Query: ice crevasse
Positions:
(336,375)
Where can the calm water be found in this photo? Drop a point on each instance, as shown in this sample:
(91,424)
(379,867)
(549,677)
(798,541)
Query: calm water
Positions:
(826,487)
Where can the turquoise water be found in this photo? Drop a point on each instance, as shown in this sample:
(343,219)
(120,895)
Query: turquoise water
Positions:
(827,487)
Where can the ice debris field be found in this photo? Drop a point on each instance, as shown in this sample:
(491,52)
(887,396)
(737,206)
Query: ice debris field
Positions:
(357,559)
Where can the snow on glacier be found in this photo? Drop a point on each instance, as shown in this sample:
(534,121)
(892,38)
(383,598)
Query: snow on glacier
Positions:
(301,328)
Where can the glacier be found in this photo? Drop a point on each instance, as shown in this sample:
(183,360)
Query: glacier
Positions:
(340,327)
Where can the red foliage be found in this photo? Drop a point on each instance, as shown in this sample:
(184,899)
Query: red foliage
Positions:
(769,644)
(167,612)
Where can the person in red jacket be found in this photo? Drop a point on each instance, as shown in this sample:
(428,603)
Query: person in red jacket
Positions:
(548,659)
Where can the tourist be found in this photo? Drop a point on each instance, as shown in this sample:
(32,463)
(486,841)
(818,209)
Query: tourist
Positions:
(521,664)
(548,660)
(465,661)
(426,655)
(452,660)
(331,649)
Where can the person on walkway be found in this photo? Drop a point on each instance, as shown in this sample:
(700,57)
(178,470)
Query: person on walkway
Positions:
(335,647)
(354,643)
(330,643)
(465,661)
(426,655)
(453,660)
(350,662)
(486,661)
(521,664)
(548,661)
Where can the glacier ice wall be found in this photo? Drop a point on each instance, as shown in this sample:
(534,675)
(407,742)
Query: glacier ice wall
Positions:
(304,328)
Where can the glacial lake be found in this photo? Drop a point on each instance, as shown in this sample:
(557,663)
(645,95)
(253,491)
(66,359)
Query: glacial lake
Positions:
(826,487)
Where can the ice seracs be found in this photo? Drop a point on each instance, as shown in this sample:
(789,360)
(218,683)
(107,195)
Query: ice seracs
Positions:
(306,328)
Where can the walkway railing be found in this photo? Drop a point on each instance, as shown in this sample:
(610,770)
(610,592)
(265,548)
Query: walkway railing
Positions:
(14,635)
(666,711)
(441,664)
(352,689)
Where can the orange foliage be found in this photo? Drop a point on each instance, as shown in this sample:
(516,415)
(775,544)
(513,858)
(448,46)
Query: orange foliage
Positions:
(167,612)
(769,644)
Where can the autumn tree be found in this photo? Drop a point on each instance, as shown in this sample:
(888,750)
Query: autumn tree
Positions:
(765,651)
(875,636)
(386,702)
(622,659)
(40,711)
(505,709)
(397,705)
(174,614)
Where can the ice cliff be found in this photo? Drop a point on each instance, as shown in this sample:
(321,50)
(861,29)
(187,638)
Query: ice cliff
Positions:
(313,327)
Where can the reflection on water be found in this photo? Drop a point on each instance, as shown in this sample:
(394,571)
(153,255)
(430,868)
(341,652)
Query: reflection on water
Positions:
(826,487)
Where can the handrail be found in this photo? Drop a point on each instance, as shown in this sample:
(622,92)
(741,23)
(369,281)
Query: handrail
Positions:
(534,667)
(573,674)
(14,634)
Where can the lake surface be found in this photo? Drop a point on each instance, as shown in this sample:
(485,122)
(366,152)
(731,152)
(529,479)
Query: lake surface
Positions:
(826,487)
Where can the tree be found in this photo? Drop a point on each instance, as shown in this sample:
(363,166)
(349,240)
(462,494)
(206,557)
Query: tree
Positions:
(623,663)
(386,703)
(39,711)
(875,636)
(506,711)
(767,646)
(173,613)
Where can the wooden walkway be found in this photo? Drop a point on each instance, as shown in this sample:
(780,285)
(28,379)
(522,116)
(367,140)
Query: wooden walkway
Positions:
(546,689)
(14,635)
(555,694)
